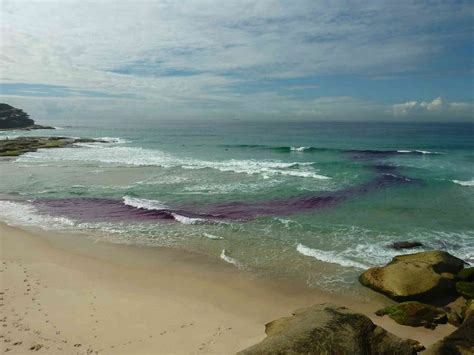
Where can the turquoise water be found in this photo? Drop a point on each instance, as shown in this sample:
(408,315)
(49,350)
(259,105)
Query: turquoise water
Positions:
(314,201)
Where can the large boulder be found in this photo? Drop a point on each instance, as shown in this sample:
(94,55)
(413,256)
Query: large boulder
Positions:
(440,261)
(329,329)
(460,342)
(415,314)
(426,276)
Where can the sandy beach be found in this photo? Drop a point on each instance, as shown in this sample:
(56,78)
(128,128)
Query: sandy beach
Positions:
(66,294)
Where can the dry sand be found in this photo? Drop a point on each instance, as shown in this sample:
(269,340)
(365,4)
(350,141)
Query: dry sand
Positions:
(66,294)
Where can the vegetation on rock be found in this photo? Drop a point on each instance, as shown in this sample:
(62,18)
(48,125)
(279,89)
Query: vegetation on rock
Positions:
(15,118)
(415,314)
(21,145)
(465,289)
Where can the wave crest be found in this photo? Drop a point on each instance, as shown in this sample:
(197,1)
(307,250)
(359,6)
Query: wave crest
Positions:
(329,257)
(142,203)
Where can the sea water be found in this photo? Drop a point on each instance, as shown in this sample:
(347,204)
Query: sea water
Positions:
(316,201)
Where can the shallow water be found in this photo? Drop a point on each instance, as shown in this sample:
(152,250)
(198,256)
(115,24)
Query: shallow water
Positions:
(315,201)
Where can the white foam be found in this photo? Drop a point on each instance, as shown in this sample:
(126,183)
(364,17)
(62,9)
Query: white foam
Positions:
(469,183)
(329,257)
(229,259)
(299,149)
(24,214)
(145,204)
(418,151)
(120,155)
(116,140)
(212,236)
(189,220)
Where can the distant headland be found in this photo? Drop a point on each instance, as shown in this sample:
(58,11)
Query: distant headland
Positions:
(15,118)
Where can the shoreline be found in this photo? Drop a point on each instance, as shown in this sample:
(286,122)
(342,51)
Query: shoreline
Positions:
(114,298)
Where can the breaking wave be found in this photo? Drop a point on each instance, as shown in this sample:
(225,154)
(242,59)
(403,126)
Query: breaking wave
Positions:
(120,155)
(143,203)
(469,183)
(329,257)
(24,214)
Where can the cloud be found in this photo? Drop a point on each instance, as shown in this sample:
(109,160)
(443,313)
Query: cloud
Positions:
(191,57)
(433,109)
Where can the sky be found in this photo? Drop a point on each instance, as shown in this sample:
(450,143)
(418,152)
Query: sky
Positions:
(199,59)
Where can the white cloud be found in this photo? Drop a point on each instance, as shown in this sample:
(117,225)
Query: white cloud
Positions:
(216,46)
(434,108)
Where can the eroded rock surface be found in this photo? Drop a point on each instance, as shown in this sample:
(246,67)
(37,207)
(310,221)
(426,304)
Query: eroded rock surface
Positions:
(329,329)
(426,276)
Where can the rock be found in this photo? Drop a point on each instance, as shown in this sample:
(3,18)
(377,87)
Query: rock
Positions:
(461,341)
(440,261)
(415,314)
(329,329)
(36,347)
(466,274)
(468,311)
(21,145)
(456,311)
(425,276)
(15,118)
(405,245)
(465,289)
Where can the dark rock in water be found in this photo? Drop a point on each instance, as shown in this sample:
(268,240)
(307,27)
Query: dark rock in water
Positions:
(405,245)
(465,289)
(426,276)
(415,314)
(15,118)
(460,342)
(329,329)
(466,274)
(18,146)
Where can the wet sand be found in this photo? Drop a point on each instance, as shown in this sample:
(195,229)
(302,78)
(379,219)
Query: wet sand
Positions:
(67,294)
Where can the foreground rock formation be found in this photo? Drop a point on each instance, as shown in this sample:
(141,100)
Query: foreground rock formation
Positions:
(437,278)
(15,118)
(329,329)
(461,341)
(426,276)
(21,145)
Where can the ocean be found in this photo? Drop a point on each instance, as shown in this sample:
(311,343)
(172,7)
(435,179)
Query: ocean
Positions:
(314,201)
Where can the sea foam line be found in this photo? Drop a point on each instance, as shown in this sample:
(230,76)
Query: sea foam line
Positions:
(229,259)
(329,257)
(468,183)
(24,214)
(142,203)
(122,155)
(212,236)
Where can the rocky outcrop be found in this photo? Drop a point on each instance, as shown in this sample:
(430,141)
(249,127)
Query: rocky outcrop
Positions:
(21,145)
(426,276)
(329,329)
(415,314)
(460,342)
(15,118)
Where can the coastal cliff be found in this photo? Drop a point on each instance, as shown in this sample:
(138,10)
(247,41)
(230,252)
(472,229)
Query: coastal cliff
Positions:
(15,118)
